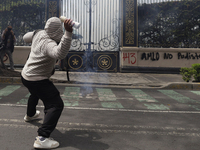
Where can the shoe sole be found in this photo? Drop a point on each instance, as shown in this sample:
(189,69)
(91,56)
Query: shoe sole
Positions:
(37,146)
(28,120)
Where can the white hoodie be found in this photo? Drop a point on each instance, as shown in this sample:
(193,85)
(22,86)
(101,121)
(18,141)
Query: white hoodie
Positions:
(45,51)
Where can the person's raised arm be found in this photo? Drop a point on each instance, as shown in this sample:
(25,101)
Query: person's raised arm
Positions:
(60,51)
(28,37)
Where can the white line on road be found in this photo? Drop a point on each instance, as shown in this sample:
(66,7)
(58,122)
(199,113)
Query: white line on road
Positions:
(108,131)
(110,109)
(93,125)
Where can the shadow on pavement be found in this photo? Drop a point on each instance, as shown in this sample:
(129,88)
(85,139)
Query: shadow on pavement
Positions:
(82,140)
(79,139)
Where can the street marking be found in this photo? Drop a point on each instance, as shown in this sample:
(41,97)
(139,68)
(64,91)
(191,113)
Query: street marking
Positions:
(141,96)
(181,99)
(196,92)
(94,125)
(125,98)
(106,94)
(71,96)
(111,105)
(195,107)
(91,96)
(173,131)
(178,97)
(108,99)
(110,109)
(156,106)
(24,101)
(8,90)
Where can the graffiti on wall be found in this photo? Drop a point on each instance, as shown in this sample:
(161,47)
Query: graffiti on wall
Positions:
(188,56)
(155,56)
(129,58)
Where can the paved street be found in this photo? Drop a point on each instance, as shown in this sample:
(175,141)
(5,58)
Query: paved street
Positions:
(101,118)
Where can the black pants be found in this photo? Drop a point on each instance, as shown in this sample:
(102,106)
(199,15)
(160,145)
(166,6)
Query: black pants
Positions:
(9,53)
(53,104)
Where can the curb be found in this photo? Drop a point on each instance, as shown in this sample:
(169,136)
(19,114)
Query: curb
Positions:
(88,83)
(10,80)
(179,85)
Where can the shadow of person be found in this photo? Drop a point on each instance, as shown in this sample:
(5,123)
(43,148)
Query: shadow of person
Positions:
(80,139)
(36,122)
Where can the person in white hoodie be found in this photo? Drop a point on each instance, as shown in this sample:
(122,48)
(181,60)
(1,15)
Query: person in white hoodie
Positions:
(48,45)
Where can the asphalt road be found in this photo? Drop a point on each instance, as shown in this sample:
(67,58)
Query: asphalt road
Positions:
(99,118)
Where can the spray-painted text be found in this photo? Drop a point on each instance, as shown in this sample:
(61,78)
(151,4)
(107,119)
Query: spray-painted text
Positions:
(155,56)
(188,56)
(129,58)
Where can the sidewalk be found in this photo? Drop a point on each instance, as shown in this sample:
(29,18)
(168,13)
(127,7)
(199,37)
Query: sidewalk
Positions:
(131,80)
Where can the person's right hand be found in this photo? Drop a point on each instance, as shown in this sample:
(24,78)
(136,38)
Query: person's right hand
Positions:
(68,25)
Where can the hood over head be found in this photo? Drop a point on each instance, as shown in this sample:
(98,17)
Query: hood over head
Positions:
(53,28)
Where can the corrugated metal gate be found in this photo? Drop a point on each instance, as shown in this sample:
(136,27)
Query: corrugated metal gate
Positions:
(97,40)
